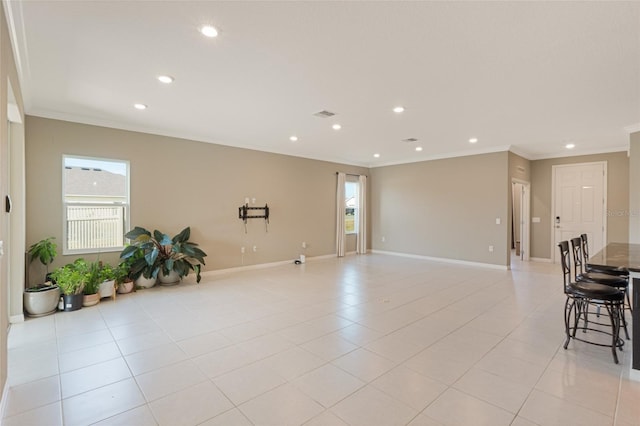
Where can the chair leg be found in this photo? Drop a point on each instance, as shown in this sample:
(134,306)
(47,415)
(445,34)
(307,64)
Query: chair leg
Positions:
(568,307)
(583,311)
(614,316)
(626,292)
(624,321)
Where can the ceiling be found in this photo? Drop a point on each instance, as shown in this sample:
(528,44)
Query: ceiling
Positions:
(526,76)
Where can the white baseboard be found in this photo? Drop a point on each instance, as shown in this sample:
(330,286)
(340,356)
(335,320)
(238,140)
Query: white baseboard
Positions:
(442,259)
(540,259)
(13,319)
(265,265)
(634,375)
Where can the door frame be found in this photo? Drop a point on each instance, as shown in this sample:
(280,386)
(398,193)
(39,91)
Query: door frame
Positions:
(525,212)
(554,255)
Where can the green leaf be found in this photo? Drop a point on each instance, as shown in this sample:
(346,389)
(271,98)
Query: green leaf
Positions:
(168,265)
(151,256)
(182,236)
(136,232)
(128,252)
(196,268)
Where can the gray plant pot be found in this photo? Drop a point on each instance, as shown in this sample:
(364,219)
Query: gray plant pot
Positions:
(72,302)
(41,303)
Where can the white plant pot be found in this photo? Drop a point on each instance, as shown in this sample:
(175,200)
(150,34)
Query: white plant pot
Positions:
(145,282)
(125,287)
(107,289)
(41,303)
(172,278)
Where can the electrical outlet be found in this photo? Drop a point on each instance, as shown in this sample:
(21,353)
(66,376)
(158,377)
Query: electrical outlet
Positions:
(242,250)
(491,249)
(304,244)
(384,239)
(255,249)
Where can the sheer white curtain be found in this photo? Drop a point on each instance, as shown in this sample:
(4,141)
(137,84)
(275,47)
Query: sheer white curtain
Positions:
(361,242)
(340,213)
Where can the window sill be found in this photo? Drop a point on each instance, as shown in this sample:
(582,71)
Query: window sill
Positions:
(91,251)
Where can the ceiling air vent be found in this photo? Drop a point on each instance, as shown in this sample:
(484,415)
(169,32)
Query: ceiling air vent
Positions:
(410,140)
(324,114)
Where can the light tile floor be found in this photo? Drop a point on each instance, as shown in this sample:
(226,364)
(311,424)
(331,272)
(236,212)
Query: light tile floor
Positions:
(363,340)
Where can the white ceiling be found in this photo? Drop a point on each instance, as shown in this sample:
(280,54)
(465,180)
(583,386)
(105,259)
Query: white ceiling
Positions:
(529,76)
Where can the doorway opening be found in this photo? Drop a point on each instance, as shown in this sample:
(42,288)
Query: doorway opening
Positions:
(520,223)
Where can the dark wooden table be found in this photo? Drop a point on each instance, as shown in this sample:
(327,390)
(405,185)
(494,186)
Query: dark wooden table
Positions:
(624,257)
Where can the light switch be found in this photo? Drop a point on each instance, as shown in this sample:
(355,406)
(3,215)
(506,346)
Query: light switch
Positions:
(1,248)
(535,219)
(498,221)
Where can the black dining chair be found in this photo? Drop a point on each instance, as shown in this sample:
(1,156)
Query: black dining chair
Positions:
(618,282)
(615,272)
(580,296)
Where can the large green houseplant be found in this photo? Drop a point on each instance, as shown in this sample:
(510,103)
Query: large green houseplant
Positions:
(163,254)
(42,298)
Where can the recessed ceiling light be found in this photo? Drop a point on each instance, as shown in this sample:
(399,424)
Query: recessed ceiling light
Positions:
(376,155)
(473,140)
(140,106)
(165,79)
(293,138)
(209,31)
(418,148)
(398,109)
(336,126)
(570,146)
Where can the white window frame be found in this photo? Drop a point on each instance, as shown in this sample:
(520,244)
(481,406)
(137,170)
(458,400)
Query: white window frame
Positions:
(65,205)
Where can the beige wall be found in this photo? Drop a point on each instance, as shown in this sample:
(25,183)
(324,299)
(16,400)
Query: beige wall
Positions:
(177,183)
(634,187)
(8,75)
(617,198)
(443,208)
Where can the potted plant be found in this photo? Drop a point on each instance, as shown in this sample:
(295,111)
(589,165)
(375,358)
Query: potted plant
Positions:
(71,281)
(123,281)
(92,281)
(170,259)
(42,299)
(139,271)
(107,281)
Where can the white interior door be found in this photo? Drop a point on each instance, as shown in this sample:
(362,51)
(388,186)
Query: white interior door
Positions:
(579,202)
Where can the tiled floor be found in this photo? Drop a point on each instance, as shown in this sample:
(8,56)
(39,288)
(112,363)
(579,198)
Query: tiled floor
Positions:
(364,340)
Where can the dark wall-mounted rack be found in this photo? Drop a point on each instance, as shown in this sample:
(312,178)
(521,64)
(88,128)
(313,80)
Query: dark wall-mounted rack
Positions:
(243,213)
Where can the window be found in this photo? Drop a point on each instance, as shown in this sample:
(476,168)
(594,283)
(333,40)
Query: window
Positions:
(351,207)
(95,194)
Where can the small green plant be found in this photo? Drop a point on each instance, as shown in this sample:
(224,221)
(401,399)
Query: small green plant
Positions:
(121,272)
(70,279)
(107,272)
(45,251)
(93,278)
